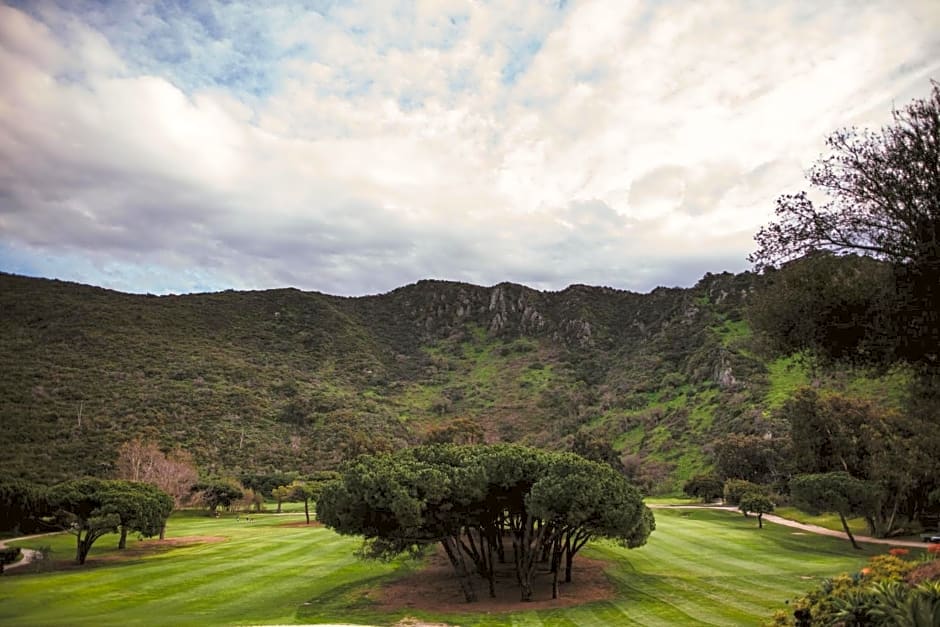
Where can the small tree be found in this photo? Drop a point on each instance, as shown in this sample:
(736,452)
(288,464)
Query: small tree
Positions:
(217,494)
(735,489)
(140,507)
(78,510)
(282,493)
(756,503)
(310,488)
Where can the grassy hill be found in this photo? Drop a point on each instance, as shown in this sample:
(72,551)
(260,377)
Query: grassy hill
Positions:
(291,380)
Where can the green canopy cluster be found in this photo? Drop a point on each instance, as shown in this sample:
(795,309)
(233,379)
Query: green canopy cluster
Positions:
(91,508)
(474,500)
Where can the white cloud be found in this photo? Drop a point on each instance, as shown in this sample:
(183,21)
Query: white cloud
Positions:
(151,147)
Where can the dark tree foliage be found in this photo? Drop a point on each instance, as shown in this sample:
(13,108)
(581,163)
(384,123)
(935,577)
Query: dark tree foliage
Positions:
(884,202)
(310,488)
(897,452)
(753,458)
(264,483)
(736,489)
(141,507)
(837,492)
(472,499)
(595,448)
(218,493)
(833,306)
(756,503)
(22,504)
(705,487)
(91,508)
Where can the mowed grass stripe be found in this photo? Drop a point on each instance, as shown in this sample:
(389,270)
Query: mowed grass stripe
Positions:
(708,568)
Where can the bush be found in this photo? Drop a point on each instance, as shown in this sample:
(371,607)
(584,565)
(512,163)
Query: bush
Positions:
(9,555)
(705,487)
(878,595)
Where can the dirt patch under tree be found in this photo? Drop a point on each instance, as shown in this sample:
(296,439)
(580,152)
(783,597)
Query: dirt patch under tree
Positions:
(434,587)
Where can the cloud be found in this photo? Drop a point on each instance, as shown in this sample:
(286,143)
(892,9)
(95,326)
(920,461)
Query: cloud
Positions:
(352,148)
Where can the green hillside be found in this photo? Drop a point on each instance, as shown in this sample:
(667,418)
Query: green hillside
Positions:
(291,380)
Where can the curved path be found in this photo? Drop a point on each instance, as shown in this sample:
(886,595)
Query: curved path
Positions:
(28,554)
(786,522)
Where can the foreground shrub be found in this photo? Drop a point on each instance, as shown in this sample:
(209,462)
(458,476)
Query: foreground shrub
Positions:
(884,593)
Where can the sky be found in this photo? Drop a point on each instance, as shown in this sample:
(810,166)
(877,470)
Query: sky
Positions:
(355,147)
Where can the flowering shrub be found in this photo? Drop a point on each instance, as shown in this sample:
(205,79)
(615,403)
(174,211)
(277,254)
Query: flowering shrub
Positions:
(889,567)
(934,550)
(876,595)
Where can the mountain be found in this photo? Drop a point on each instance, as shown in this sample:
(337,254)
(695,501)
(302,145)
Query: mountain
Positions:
(291,380)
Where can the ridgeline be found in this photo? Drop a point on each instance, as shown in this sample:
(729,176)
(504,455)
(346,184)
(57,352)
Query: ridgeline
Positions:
(291,380)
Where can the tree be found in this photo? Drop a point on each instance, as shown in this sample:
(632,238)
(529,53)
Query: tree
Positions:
(140,507)
(281,493)
(578,500)
(756,503)
(78,509)
(837,492)
(736,489)
(894,450)
(264,483)
(91,508)
(884,202)
(310,488)
(749,457)
(174,473)
(705,487)
(469,498)
(21,504)
(216,493)
(826,307)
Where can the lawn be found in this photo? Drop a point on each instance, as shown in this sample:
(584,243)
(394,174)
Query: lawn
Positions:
(700,567)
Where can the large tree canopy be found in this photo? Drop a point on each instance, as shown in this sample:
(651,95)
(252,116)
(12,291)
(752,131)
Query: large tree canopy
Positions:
(471,498)
(91,508)
(883,191)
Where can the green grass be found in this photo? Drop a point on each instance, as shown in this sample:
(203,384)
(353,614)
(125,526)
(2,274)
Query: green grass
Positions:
(787,374)
(700,567)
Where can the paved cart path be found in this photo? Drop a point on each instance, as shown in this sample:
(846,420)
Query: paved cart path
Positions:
(786,522)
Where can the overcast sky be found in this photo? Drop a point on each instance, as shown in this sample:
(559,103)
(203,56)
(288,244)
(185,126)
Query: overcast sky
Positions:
(352,148)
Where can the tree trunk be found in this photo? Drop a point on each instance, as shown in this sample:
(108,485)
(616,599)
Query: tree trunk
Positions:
(452,548)
(307,509)
(278,507)
(760,520)
(894,513)
(122,543)
(848,532)
(84,545)
(491,573)
(163,531)
(557,550)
